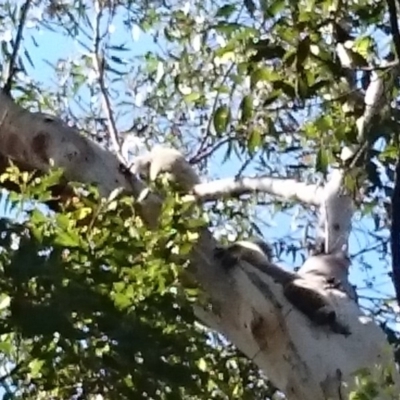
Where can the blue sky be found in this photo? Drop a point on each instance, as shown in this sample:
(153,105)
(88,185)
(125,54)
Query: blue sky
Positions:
(53,46)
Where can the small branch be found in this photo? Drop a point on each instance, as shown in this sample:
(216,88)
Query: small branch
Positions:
(288,189)
(99,65)
(18,38)
(374,93)
(200,156)
(395,200)
(395,232)
(389,65)
(344,57)
(213,109)
(335,214)
(394,26)
(215,104)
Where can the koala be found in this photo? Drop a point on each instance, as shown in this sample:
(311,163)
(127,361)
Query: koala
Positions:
(296,285)
(166,160)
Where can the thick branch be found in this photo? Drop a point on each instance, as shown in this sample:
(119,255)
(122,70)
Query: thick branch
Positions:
(299,358)
(336,208)
(394,26)
(336,213)
(286,189)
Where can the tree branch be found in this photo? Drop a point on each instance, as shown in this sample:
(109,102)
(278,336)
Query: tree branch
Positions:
(394,26)
(99,65)
(18,38)
(395,231)
(287,189)
(335,215)
(395,201)
(336,208)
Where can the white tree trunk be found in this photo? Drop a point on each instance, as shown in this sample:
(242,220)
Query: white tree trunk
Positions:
(303,360)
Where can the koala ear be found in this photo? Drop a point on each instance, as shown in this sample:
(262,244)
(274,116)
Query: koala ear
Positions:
(141,166)
(226,256)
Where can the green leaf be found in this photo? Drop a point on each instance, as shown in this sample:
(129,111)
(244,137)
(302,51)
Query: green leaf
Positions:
(67,239)
(303,51)
(246,107)
(6,347)
(202,364)
(192,97)
(273,8)
(301,86)
(266,50)
(322,160)
(226,10)
(221,119)
(263,74)
(286,88)
(35,366)
(363,45)
(254,141)
(4,301)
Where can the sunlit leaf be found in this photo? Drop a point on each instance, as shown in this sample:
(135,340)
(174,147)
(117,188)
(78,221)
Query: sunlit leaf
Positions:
(226,10)
(221,119)
(273,8)
(322,161)
(67,239)
(254,141)
(246,108)
(192,97)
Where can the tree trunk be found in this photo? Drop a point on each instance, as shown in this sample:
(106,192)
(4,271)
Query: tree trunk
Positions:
(303,360)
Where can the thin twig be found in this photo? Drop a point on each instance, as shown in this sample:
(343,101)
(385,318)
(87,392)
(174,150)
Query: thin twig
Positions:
(207,152)
(18,38)
(213,109)
(245,165)
(394,26)
(99,65)
(385,67)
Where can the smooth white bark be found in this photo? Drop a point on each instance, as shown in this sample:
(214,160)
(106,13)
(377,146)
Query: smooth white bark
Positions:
(286,189)
(335,214)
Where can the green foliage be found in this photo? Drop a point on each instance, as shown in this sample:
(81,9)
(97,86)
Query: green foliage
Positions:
(375,383)
(90,301)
